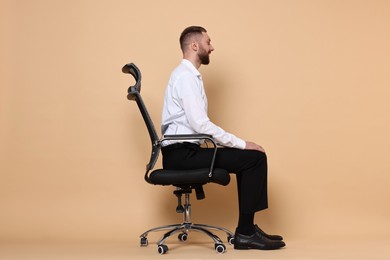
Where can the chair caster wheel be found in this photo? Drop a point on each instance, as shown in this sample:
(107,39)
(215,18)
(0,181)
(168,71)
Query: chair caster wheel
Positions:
(144,241)
(230,240)
(162,249)
(220,248)
(182,236)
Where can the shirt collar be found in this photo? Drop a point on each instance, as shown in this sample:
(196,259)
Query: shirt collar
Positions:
(191,66)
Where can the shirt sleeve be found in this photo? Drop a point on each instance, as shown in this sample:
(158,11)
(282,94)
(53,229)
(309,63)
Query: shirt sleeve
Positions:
(195,109)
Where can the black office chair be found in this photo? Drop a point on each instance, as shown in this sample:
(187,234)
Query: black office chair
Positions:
(185,181)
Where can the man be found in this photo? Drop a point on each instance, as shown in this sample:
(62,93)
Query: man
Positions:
(185,112)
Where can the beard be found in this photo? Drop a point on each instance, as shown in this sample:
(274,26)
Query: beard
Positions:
(204,57)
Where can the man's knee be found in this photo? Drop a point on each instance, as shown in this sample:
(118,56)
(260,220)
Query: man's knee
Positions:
(259,156)
(256,159)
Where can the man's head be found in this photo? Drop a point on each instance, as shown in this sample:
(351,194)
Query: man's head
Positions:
(195,43)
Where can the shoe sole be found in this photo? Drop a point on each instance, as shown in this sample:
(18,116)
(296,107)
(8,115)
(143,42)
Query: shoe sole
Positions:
(239,247)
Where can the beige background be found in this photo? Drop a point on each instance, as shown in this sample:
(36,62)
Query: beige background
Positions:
(308,80)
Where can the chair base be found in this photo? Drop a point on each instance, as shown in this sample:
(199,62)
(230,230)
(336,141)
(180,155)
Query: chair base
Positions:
(183,229)
(187,226)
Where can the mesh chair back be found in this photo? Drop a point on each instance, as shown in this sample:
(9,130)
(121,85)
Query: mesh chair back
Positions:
(134,94)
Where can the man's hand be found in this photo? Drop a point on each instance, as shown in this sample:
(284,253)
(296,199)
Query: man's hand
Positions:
(253,146)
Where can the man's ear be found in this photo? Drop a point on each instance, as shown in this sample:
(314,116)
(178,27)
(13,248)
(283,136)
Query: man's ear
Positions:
(194,46)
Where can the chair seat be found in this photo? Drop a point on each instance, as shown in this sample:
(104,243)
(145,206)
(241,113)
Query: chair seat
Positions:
(198,176)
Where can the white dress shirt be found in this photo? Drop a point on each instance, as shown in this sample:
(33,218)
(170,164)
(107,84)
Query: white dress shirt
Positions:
(185,108)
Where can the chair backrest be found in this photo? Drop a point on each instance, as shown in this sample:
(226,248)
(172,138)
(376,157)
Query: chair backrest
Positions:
(134,94)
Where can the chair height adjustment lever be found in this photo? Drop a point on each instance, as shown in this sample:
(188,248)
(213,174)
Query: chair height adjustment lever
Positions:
(179,208)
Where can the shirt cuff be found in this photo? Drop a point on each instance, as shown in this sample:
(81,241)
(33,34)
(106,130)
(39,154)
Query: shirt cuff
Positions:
(241,144)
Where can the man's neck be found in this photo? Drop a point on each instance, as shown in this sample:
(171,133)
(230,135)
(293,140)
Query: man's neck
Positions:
(193,60)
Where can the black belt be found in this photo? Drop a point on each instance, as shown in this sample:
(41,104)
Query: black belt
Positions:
(180,146)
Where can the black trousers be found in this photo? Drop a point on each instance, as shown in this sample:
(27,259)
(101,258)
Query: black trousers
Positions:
(250,167)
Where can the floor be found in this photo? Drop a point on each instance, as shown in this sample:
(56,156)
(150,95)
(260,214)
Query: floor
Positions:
(196,248)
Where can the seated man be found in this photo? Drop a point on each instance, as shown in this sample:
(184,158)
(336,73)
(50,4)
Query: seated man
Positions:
(185,112)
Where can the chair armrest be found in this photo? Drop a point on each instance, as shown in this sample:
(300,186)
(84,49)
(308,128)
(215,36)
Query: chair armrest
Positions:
(200,136)
(187,137)
(195,137)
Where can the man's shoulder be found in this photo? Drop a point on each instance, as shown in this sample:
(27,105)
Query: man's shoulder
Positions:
(186,67)
(182,71)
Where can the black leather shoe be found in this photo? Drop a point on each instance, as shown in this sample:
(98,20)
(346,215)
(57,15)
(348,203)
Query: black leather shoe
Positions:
(256,241)
(272,237)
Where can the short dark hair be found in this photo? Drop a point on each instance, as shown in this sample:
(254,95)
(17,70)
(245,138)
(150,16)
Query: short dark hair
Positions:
(187,33)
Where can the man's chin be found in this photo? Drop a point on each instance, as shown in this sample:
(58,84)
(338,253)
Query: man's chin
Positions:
(205,62)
